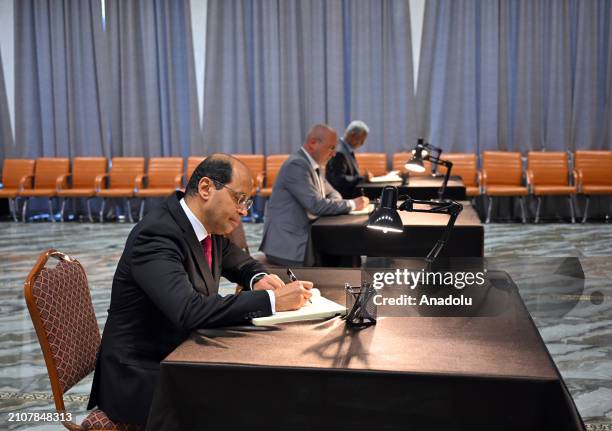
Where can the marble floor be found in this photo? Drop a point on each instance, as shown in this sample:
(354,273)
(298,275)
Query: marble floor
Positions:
(575,320)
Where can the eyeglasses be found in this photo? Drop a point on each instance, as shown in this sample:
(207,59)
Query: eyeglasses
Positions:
(241,199)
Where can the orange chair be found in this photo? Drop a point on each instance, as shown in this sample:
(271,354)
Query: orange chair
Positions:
(592,175)
(501,175)
(548,174)
(376,163)
(121,181)
(273,165)
(255,163)
(466,166)
(84,173)
(49,174)
(60,306)
(192,164)
(17,175)
(164,176)
(399,161)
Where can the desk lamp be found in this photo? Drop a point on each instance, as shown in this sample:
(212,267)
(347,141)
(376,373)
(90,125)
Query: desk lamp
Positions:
(420,153)
(387,219)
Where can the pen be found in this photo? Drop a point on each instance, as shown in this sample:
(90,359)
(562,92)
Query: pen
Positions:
(292,277)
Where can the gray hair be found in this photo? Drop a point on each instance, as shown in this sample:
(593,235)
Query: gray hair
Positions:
(356,128)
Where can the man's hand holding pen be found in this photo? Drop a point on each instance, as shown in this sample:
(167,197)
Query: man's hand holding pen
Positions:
(290,296)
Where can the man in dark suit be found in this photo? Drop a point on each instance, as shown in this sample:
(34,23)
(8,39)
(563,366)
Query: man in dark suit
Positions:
(342,170)
(166,285)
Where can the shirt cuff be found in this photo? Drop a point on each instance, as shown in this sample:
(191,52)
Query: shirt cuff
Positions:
(351,204)
(270,292)
(272,300)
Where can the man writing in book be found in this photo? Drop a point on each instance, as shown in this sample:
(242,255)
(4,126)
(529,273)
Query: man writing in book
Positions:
(342,170)
(166,285)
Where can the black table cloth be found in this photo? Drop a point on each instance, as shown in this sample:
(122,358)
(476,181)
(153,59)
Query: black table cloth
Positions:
(348,236)
(405,373)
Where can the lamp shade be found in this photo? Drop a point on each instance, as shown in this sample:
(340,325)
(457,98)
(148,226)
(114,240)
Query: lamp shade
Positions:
(386,217)
(415,164)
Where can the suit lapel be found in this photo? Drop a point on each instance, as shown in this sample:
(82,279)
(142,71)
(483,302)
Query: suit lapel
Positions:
(194,245)
(352,162)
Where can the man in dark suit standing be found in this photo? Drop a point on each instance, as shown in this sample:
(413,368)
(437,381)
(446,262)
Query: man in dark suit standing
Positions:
(166,285)
(342,170)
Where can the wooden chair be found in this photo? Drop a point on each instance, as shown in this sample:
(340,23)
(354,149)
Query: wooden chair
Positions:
(83,181)
(164,176)
(501,175)
(192,164)
(121,181)
(60,306)
(376,163)
(273,165)
(17,175)
(399,161)
(466,166)
(49,175)
(592,175)
(548,175)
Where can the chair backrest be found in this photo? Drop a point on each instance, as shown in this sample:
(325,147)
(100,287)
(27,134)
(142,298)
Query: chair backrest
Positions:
(596,166)
(85,170)
(162,171)
(273,165)
(192,164)
(399,161)
(14,169)
(255,163)
(502,167)
(376,163)
(60,306)
(47,170)
(548,168)
(124,171)
(465,165)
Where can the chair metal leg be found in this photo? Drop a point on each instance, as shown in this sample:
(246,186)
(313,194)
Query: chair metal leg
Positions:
(89,210)
(586,209)
(102,210)
(570,200)
(490,199)
(141,209)
(522,202)
(537,214)
(129,210)
(24,210)
(13,207)
(50,203)
(62,209)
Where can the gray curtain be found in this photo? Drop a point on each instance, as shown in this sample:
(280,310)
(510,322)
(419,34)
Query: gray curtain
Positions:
(273,69)
(515,75)
(7,148)
(154,97)
(60,105)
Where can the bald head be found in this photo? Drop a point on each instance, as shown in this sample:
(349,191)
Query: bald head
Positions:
(321,143)
(220,167)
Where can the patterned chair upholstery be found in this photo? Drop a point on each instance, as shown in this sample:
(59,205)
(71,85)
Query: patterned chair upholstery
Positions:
(60,306)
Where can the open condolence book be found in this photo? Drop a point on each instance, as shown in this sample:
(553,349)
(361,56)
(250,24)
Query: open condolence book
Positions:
(320,308)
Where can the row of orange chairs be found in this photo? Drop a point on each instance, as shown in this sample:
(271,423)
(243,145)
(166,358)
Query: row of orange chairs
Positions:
(501,175)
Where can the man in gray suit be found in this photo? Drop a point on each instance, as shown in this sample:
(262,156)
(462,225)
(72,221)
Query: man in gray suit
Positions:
(300,195)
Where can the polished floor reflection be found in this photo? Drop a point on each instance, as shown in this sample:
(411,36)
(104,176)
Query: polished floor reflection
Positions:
(572,312)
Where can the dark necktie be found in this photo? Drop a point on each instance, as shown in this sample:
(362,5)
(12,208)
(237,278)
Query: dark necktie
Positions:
(320,182)
(207,248)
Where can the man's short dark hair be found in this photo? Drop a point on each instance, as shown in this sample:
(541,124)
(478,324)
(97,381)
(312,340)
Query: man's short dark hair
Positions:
(215,167)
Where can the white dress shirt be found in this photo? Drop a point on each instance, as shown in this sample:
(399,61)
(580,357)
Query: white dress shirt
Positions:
(201,233)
